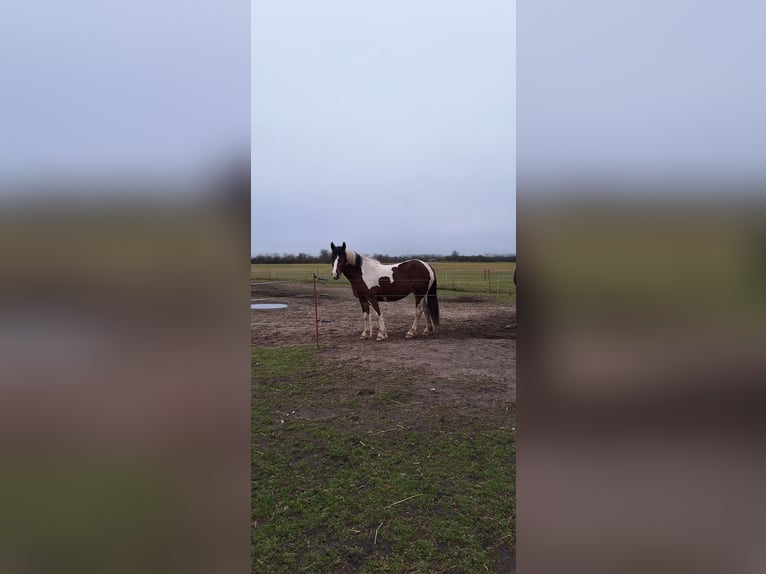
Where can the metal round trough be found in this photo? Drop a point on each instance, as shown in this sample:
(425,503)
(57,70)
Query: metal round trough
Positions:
(259,306)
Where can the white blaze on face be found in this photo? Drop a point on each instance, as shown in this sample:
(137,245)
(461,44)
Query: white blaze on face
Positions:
(335,268)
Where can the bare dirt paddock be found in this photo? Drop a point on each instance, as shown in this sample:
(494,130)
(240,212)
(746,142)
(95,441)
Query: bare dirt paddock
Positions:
(471,356)
(343,435)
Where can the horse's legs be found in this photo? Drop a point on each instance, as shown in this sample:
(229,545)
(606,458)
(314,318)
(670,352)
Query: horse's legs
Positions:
(430,327)
(366,320)
(413,332)
(382,334)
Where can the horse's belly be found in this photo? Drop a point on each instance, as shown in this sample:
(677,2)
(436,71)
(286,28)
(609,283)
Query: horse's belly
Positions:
(390,297)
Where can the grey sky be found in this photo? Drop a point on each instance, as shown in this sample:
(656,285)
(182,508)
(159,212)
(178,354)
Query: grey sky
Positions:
(110,89)
(641,92)
(388,125)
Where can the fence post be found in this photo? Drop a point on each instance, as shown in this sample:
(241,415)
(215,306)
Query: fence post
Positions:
(316,310)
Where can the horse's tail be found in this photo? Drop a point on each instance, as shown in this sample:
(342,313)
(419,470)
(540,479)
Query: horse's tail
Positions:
(433,302)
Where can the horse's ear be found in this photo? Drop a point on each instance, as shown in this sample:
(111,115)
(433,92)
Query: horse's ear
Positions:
(343,247)
(332,246)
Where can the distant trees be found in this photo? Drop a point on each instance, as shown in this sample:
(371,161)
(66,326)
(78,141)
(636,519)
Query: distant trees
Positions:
(284,258)
(324,257)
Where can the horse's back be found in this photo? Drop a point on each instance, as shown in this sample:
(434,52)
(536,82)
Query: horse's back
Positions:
(414,269)
(414,275)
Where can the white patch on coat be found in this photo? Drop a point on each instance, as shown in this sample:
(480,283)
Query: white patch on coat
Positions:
(373,271)
(335,268)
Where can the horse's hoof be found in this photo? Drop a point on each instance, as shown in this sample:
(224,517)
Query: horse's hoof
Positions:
(379,338)
(409,335)
(363,337)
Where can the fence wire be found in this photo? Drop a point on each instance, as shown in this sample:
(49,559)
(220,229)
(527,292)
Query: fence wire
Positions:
(476,279)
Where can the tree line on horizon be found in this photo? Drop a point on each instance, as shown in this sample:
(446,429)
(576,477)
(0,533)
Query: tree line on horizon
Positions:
(324,257)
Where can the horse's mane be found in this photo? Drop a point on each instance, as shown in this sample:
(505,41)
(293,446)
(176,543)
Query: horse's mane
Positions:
(354,258)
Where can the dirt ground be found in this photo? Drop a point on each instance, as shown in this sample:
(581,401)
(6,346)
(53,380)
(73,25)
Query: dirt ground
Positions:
(462,377)
(472,355)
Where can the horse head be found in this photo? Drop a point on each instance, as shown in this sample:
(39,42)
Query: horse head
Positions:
(339,260)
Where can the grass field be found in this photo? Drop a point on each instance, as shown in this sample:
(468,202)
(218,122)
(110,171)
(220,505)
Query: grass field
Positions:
(495,278)
(374,482)
(355,470)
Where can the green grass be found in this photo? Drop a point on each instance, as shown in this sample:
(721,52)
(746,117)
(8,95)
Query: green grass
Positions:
(494,278)
(76,514)
(437,486)
(486,278)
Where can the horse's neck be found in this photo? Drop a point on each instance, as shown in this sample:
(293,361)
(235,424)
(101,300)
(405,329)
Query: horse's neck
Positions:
(352,272)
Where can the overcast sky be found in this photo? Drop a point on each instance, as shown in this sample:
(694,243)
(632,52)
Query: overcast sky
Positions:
(118,89)
(634,93)
(387,125)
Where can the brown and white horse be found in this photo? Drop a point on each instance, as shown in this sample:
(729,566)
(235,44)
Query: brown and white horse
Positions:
(372,281)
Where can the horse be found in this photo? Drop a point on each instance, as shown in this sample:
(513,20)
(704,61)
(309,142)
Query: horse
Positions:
(372,282)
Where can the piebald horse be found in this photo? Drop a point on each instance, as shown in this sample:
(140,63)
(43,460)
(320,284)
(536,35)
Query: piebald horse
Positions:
(372,281)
